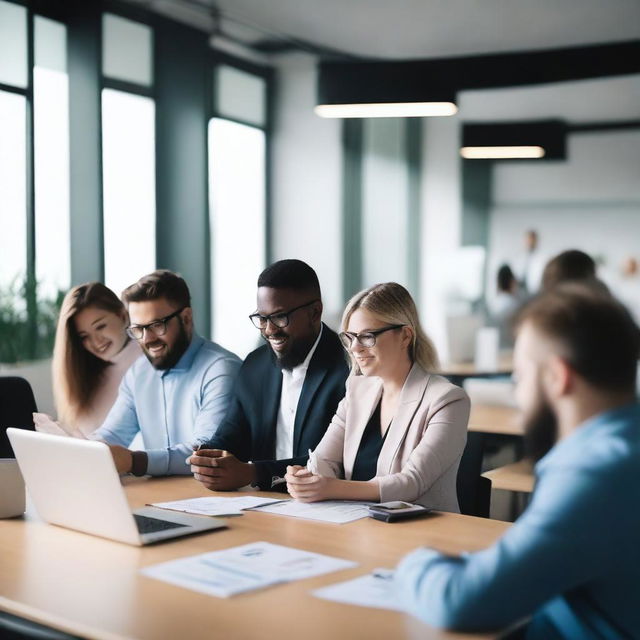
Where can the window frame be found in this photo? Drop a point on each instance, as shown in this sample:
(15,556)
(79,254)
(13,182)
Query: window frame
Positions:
(219,58)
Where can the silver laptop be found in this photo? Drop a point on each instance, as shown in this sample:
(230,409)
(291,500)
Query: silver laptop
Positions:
(74,483)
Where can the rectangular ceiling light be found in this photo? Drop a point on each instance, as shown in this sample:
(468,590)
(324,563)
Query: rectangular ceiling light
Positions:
(381,90)
(514,140)
(496,153)
(386,110)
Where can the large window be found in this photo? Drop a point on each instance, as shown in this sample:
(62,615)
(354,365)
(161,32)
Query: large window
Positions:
(128,152)
(128,167)
(79,113)
(51,158)
(13,160)
(237,213)
(13,189)
(34,237)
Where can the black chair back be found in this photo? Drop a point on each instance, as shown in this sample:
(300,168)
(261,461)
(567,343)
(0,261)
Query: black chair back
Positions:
(17,403)
(474,491)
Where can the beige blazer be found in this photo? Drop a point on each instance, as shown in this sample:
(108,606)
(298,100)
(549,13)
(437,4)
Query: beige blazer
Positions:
(420,456)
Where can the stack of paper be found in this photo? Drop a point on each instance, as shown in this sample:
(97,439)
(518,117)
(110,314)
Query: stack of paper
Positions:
(336,511)
(374,590)
(245,568)
(215,506)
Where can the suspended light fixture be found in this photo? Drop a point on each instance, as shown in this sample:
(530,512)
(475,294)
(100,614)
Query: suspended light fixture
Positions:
(514,140)
(380,90)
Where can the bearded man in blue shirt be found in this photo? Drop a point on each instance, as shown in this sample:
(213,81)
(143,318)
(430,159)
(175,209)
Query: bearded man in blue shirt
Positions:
(176,396)
(572,561)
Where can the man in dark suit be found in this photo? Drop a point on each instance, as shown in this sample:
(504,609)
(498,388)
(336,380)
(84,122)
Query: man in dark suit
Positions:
(287,391)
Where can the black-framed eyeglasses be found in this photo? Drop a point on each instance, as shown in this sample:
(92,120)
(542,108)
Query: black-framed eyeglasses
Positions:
(157,327)
(280,319)
(365,338)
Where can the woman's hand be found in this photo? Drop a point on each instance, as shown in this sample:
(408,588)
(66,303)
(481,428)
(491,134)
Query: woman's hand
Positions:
(305,486)
(46,424)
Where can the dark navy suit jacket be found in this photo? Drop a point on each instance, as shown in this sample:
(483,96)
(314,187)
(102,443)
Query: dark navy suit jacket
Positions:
(249,428)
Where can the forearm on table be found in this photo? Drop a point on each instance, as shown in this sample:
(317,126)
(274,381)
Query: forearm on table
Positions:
(353,490)
(170,461)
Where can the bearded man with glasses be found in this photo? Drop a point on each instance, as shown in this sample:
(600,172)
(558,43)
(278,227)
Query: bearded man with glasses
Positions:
(286,391)
(179,394)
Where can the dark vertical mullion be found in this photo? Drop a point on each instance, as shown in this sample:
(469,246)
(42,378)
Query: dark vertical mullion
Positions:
(101,257)
(413,147)
(181,55)
(30,282)
(211,88)
(84,56)
(268,150)
(477,177)
(352,141)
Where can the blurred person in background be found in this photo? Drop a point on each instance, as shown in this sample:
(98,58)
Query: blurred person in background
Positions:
(507,302)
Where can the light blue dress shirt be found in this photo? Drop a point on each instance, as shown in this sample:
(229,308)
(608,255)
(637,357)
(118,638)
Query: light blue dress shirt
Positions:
(172,408)
(572,560)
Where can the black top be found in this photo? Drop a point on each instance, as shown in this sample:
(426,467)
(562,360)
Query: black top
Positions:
(366,462)
(249,428)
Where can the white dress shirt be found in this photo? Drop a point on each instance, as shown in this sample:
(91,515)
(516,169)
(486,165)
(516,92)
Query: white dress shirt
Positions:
(292,382)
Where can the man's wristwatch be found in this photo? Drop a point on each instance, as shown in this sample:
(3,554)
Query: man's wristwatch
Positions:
(139,462)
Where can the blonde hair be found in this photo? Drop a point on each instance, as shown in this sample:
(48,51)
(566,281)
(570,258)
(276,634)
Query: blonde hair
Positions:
(77,374)
(390,302)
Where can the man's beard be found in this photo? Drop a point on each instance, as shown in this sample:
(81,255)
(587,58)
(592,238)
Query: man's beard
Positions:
(295,355)
(173,353)
(540,430)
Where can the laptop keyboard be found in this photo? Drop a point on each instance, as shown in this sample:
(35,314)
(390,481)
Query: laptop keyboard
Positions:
(151,525)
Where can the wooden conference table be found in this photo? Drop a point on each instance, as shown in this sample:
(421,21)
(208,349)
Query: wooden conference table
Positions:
(470,370)
(92,587)
(495,419)
(517,476)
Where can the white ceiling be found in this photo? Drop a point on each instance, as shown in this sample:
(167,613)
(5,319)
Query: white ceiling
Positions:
(578,102)
(417,28)
(404,29)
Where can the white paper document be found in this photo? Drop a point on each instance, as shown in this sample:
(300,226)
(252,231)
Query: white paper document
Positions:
(336,511)
(245,568)
(215,506)
(374,590)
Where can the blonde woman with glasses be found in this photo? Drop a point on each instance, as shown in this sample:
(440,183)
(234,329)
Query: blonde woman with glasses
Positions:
(400,431)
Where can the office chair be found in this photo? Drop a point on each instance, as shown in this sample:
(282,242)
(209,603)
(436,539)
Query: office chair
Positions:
(14,628)
(17,403)
(474,491)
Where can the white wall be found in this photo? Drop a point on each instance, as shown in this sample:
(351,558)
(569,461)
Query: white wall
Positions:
(307,198)
(441,210)
(590,202)
(307,180)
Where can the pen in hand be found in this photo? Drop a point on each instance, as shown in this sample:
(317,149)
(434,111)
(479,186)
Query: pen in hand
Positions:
(196,447)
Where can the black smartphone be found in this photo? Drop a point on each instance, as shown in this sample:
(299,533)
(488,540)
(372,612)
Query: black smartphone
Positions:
(396,510)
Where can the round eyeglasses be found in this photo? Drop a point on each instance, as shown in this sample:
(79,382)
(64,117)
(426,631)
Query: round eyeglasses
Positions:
(157,327)
(280,319)
(365,338)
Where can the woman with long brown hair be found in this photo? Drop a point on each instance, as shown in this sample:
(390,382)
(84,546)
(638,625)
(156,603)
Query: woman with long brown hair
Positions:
(91,354)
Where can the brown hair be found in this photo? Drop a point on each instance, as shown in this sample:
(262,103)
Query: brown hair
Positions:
(593,332)
(572,264)
(76,372)
(162,283)
(392,303)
